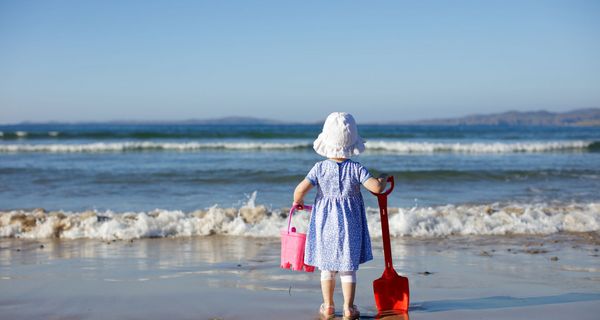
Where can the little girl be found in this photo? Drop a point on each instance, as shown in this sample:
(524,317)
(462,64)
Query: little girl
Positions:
(338,239)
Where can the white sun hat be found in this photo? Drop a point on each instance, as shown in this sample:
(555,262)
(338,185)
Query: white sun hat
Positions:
(339,138)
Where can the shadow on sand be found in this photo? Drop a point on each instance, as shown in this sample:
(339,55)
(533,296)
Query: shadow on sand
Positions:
(498,302)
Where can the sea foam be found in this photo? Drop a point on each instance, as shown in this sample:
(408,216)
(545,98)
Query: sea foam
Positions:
(386,146)
(259,221)
(476,147)
(145,146)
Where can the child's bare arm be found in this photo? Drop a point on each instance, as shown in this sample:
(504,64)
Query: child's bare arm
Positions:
(376,185)
(301,190)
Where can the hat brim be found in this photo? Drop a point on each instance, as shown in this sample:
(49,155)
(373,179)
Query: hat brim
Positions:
(328,150)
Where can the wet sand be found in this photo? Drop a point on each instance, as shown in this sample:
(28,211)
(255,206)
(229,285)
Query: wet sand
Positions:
(216,277)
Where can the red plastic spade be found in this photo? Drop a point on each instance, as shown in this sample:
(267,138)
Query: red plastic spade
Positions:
(391,290)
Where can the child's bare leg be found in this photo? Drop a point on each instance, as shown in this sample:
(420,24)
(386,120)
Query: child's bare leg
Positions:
(349,289)
(328,286)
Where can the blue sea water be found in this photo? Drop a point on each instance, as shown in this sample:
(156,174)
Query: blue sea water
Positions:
(230,162)
(189,167)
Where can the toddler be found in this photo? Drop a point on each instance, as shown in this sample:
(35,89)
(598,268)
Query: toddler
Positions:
(337,240)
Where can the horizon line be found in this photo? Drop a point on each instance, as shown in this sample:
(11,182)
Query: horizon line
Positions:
(271,121)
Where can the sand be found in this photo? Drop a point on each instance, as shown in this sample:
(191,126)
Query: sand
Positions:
(219,277)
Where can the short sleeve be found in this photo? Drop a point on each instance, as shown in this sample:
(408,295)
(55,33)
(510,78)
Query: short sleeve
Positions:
(312,175)
(363,174)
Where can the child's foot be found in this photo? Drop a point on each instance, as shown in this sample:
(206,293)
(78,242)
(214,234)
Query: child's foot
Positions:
(327,311)
(351,313)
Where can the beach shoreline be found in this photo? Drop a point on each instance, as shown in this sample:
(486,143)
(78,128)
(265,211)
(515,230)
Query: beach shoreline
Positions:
(220,277)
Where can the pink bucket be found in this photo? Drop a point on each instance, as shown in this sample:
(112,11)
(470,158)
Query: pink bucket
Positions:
(292,246)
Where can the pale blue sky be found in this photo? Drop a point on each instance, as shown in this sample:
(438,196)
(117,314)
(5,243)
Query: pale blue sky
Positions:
(380,60)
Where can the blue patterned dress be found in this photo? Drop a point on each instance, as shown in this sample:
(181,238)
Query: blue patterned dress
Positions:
(338,234)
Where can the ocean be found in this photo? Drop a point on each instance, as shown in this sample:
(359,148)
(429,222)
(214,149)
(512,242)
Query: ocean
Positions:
(117,181)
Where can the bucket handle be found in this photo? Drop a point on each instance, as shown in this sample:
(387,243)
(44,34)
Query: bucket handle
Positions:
(294,208)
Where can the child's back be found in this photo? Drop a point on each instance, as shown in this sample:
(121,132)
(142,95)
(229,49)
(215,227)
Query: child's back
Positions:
(338,239)
(338,234)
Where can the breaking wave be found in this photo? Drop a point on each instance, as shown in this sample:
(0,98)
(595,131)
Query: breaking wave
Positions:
(477,147)
(401,147)
(147,146)
(259,221)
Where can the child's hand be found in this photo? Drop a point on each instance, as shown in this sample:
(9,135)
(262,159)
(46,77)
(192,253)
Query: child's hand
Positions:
(383,180)
(299,204)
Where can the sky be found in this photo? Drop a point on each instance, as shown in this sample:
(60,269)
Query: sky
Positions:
(294,60)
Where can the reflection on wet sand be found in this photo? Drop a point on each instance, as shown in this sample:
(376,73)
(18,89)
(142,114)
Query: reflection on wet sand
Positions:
(203,274)
(218,262)
(386,315)
(392,315)
(164,252)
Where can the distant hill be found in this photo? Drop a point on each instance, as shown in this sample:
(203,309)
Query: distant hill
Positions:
(581,117)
